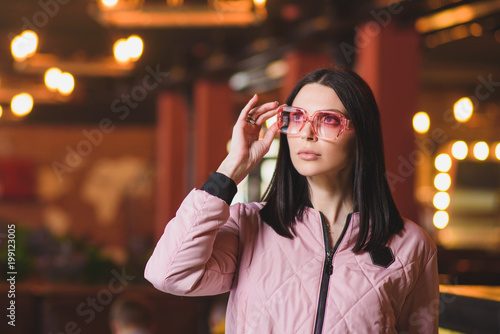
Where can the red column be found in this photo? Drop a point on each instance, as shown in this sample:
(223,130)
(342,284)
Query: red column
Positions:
(388,59)
(214,118)
(299,65)
(172,152)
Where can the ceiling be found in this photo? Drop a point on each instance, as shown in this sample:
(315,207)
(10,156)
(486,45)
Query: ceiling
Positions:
(71,33)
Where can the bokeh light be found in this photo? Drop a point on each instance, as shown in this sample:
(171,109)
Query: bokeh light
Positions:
(135,47)
(443,162)
(109,3)
(481,150)
(129,49)
(441,219)
(52,77)
(239,81)
(421,122)
(66,83)
(459,150)
(21,104)
(442,181)
(441,200)
(462,109)
(277,69)
(24,45)
(497,151)
(120,50)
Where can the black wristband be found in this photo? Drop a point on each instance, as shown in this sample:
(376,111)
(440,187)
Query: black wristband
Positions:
(221,186)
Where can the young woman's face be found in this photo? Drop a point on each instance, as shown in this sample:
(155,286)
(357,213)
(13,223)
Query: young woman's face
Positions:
(313,156)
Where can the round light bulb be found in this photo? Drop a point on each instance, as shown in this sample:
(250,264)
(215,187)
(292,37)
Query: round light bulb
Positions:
(441,200)
(462,109)
(481,151)
(441,219)
(459,150)
(442,181)
(421,122)
(52,77)
(21,104)
(134,47)
(443,162)
(18,49)
(24,45)
(31,39)
(120,50)
(66,83)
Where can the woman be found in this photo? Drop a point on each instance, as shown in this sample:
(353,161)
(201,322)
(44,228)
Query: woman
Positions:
(326,251)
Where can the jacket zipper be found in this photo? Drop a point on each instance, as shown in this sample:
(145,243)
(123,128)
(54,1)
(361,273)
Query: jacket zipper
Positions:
(327,272)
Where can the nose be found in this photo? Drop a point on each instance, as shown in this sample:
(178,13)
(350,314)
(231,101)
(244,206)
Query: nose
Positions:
(307,132)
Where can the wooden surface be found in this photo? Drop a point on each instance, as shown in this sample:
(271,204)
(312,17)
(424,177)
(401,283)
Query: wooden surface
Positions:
(475,291)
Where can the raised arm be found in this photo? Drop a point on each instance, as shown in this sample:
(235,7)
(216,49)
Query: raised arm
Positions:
(198,251)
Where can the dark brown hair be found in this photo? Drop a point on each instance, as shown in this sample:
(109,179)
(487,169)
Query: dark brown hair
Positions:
(288,194)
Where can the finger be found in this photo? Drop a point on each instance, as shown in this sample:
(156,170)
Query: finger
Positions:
(264,117)
(248,107)
(262,109)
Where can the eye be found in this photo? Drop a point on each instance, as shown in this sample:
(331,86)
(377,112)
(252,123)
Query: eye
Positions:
(330,119)
(297,117)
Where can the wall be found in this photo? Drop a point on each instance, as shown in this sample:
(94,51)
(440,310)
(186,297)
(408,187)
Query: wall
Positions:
(94,182)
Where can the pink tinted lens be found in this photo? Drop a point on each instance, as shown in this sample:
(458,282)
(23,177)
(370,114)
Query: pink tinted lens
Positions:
(327,124)
(290,120)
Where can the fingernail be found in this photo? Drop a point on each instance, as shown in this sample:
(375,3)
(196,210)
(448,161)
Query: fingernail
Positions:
(276,102)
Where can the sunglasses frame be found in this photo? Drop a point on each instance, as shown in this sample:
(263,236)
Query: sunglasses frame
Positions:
(345,124)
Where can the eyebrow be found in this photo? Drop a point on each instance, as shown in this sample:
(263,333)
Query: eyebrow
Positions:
(344,114)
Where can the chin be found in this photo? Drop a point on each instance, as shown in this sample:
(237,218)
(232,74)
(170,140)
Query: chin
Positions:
(309,172)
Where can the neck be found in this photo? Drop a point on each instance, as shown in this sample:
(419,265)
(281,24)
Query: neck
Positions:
(333,196)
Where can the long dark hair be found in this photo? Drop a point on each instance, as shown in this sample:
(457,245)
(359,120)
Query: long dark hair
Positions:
(288,193)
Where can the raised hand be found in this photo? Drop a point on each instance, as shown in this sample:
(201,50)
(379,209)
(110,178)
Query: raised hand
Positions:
(246,149)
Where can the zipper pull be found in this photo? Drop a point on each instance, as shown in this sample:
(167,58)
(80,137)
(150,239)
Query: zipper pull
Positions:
(330,264)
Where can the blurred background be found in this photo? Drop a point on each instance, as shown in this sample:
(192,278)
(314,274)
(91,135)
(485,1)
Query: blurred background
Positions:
(111,111)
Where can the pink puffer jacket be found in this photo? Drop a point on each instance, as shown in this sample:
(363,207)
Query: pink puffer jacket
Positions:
(276,283)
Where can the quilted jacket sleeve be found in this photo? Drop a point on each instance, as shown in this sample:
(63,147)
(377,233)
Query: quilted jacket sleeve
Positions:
(198,251)
(420,309)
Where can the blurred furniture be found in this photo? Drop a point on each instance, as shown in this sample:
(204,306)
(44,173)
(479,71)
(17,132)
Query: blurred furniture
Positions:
(42,309)
(470,309)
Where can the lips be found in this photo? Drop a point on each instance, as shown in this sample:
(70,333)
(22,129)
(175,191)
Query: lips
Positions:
(308,155)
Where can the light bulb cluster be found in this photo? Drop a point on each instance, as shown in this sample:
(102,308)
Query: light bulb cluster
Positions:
(56,80)
(24,45)
(442,181)
(462,110)
(130,49)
